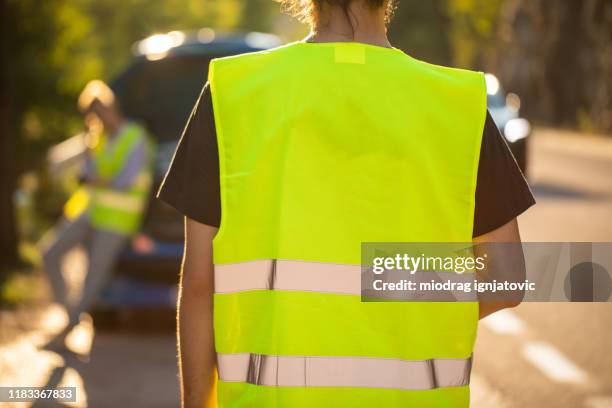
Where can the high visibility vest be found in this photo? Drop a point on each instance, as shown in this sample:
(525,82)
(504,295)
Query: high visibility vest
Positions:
(323,147)
(111,209)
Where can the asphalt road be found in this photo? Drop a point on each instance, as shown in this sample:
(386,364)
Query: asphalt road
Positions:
(555,354)
(537,355)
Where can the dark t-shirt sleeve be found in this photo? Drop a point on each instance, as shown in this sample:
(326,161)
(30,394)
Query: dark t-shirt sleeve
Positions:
(502,193)
(191,184)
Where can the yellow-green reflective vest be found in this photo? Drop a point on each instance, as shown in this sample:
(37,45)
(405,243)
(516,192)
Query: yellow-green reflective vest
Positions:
(323,147)
(112,209)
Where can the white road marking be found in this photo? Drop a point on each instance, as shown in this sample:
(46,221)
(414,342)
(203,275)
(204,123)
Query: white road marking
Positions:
(483,395)
(545,357)
(552,363)
(598,402)
(505,322)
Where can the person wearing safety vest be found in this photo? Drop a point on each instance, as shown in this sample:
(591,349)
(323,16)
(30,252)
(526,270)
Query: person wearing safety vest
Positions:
(292,158)
(108,207)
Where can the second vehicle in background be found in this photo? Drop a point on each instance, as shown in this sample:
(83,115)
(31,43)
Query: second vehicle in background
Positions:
(505,110)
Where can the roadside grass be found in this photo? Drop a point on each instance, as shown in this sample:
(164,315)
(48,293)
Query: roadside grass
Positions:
(21,288)
(24,284)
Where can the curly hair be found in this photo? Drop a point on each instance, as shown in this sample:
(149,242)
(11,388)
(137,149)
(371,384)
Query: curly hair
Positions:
(307,11)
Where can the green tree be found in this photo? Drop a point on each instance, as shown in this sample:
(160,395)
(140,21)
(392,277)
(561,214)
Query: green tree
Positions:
(558,53)
(8,236)
(420,28)
(258,15)
(45,60)
(473,31)
(117,24)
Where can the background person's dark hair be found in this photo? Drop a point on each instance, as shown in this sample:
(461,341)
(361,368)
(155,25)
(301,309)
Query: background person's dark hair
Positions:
(309,11)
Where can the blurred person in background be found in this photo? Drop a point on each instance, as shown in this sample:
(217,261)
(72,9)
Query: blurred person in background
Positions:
(290,160)
(109,204)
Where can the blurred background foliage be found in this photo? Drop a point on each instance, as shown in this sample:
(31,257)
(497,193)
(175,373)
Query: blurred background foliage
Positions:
(556,54)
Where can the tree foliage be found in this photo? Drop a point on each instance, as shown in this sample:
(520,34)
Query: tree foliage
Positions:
(558,55)
(472,30)
(420,28)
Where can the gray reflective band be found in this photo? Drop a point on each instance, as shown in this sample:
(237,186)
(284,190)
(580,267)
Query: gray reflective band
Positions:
(360,372)
(288,275)
(325,278)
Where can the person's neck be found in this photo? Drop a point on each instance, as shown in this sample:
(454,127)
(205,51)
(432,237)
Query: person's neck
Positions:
(359,23)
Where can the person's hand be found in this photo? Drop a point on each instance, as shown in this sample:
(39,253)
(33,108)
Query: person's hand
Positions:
(506,261)
(143,244)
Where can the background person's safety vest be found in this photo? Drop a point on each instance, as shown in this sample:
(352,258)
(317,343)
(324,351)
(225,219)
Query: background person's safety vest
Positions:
(323,147)
(115,210)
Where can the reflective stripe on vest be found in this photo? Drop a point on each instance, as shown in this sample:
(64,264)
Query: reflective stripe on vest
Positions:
(326,371)
(324,278)
(126,202)
(323,147)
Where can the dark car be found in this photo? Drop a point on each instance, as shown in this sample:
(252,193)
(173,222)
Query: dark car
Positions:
(505,110)
(159,88)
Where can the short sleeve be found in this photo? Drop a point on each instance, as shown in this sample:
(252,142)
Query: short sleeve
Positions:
(191,184)
(502,193)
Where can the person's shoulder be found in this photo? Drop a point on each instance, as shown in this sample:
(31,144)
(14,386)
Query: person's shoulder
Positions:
(262,65)
(450,75)
(444,69)
(133,126)
(245,58)
(136,131)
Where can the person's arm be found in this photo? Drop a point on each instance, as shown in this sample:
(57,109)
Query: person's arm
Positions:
(196,348)
(502,194)
(87,173)
(508,255)
(192,187)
